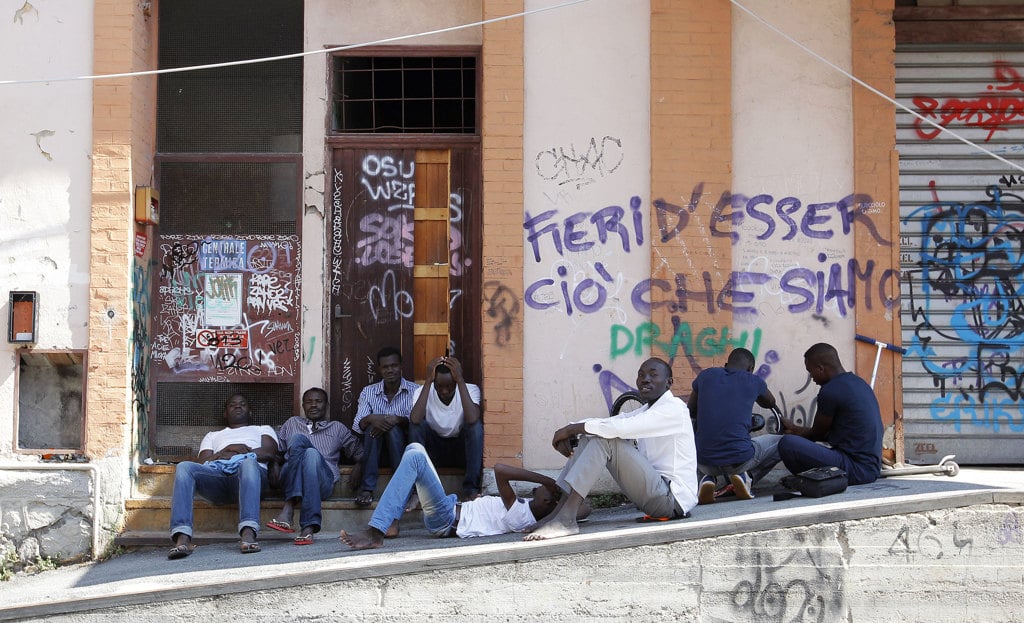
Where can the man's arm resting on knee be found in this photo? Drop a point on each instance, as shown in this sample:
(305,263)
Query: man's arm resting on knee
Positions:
(562,439)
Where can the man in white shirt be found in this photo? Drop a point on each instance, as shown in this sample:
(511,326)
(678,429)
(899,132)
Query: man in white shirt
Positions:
(649,452)
(231,467)
(445,419)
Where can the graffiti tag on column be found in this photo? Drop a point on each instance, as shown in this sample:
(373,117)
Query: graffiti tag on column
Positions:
(567,165)
(503,307)
(996,111)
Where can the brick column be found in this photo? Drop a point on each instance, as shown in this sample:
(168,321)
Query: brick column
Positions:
(123,113)
(502,310)
(691,144)
(876,174)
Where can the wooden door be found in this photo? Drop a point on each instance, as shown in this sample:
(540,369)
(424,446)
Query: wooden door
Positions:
(404,258)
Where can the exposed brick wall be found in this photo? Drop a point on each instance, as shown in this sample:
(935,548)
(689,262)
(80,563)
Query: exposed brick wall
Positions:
(122,113)
(876,174)
(691,142)
(502,155)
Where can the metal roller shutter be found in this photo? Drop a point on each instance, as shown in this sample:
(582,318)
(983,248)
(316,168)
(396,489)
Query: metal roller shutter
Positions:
(962,253)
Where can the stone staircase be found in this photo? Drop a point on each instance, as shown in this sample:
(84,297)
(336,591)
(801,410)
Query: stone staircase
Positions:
(148,511)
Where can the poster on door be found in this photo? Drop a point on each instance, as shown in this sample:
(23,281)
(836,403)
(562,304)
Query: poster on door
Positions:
(227,309)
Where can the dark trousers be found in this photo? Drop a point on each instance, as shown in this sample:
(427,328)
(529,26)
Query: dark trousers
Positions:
(465,450)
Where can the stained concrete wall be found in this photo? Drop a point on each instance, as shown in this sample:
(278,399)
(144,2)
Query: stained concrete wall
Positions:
(45,173)
(948,565)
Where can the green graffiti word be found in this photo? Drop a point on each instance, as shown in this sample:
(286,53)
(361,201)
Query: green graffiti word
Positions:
(708,342)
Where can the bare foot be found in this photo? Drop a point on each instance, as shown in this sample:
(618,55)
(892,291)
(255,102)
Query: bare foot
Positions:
(414,503)
(392,532)
(553,529)
(369,539)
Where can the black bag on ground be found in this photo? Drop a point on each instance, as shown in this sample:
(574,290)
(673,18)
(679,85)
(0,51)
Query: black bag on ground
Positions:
(817,482)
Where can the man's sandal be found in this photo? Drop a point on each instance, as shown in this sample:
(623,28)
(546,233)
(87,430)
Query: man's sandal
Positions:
(364,499)
(303,539)
(280,526)
(180,551)
(249,547)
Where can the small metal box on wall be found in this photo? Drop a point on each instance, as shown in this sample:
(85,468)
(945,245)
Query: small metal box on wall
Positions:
(147,205)
(22,316)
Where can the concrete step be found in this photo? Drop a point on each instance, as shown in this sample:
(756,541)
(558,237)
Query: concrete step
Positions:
(148,512)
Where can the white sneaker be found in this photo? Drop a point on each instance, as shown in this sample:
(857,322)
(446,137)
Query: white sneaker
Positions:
(706,490)
(742,485)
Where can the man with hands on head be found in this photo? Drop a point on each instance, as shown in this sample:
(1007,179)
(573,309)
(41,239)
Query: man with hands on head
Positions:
(445,419)
(649,452)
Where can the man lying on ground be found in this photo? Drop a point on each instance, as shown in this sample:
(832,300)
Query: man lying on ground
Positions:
(444,516)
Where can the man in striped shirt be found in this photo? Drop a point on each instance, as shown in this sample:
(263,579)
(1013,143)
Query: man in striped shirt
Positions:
(383,418)
(313,445)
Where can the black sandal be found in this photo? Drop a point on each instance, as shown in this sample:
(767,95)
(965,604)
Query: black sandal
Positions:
(364,499)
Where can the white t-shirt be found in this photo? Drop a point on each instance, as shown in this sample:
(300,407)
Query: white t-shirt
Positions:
(251,436)
(487,516)
(446,420)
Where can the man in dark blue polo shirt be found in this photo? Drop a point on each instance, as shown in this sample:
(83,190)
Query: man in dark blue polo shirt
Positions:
(721,404)
(848,419)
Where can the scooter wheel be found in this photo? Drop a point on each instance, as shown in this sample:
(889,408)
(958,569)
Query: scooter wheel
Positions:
(951,468)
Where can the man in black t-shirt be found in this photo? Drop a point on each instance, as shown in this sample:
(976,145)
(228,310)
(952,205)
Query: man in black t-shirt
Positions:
(848,419)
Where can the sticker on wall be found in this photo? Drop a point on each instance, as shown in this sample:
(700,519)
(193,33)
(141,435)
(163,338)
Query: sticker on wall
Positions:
(222,302)
(140,244)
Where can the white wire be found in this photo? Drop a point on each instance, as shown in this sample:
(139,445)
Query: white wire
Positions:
(251,61)
(867,86)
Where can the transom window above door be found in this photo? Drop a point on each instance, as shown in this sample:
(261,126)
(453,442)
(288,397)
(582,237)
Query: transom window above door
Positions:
(404,94)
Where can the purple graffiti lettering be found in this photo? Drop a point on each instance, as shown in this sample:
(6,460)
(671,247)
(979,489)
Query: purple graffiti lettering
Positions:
(664,209)
(588,294)
(569,237)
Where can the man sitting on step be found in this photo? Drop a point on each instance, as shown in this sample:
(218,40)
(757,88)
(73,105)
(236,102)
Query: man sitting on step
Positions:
(313,445)
(445,419)
(232,467)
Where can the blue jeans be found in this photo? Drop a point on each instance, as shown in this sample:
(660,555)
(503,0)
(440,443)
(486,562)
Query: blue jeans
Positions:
(465,450)
(415,469)
(244,486)
(800,454)
(394,441)
(766,456)
(306,475)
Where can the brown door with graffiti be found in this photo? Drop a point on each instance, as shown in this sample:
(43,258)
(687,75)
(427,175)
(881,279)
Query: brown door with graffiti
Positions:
(227,271)
(405,256)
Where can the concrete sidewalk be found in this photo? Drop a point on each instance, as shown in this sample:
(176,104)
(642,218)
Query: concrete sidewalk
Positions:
(146,576)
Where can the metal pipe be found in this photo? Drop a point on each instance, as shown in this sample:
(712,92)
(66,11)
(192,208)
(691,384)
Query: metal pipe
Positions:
(77,467)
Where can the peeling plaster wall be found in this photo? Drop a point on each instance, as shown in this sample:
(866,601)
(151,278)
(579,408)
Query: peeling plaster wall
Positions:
(45,176)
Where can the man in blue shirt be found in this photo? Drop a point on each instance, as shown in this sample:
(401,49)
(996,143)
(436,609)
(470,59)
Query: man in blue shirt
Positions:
(383,418)
(848,419)
(721,404)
